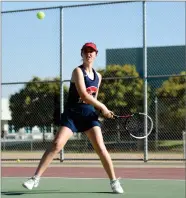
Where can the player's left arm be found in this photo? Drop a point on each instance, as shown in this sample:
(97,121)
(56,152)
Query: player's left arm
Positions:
(99,83)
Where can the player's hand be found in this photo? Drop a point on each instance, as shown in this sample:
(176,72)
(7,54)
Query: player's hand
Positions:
(111,114)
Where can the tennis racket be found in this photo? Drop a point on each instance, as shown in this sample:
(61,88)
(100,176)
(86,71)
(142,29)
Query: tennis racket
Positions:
(136,124)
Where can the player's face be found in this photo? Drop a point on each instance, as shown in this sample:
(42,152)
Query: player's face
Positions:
(89,55)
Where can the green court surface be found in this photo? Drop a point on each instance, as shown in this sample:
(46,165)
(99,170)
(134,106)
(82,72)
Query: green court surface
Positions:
(87,188)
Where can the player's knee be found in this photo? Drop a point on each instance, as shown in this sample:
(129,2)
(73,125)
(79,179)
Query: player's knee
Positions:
(101,150)
(56,147)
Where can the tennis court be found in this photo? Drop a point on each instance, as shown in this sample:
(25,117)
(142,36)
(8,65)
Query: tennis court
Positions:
(142,61)
(139,181)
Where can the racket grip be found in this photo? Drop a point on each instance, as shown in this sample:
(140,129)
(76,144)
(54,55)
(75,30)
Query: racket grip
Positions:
(115,116)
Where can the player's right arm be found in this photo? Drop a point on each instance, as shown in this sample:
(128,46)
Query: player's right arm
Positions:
(78,79)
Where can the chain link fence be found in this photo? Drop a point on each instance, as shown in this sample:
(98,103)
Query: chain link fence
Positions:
(35,80)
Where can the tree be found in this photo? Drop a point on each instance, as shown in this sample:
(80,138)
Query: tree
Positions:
(171,96)
(122,95)
(36,104)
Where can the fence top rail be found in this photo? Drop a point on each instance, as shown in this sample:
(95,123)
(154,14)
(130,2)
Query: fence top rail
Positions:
(68,6)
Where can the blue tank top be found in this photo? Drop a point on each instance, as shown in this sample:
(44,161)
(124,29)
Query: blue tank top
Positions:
(91,86)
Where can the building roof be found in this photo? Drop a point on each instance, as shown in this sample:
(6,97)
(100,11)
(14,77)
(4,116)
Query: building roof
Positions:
(164,60)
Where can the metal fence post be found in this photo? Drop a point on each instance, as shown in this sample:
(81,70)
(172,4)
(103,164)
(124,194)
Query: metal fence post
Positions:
(156,123)
(145,80)
(61,74)
(31,145)
(184,144)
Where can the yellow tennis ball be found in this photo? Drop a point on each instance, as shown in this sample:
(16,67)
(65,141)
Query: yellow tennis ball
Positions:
(18,160)
(40,15)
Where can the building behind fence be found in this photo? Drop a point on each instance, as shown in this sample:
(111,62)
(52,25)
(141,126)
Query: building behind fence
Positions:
(38,55)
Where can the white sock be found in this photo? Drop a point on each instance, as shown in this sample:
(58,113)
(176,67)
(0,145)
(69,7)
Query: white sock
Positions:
(36,177)
(112,180)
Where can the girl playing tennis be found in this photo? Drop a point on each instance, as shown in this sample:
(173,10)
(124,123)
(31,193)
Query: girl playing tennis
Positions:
(80,116)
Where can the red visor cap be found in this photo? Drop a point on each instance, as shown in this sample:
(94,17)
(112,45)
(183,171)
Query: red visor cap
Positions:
(92,45)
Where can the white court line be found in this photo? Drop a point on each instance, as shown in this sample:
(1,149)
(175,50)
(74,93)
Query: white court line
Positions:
(99,178)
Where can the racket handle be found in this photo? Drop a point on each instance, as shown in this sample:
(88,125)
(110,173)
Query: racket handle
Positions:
(125,116)
(116,116)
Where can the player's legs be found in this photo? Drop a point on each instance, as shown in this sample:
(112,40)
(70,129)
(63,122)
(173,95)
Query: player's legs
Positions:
(95,136)
(58,143)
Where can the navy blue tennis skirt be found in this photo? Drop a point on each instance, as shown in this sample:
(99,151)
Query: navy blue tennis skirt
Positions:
(80,118)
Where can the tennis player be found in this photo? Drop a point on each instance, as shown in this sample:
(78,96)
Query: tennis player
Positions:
(80,116)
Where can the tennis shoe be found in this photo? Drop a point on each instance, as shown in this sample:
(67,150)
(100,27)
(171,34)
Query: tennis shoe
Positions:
(32,182)
(116,186)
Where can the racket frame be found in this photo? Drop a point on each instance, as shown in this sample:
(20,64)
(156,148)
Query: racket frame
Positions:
(131,115)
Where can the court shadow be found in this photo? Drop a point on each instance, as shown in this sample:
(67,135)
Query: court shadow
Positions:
(13,193)
(28,192)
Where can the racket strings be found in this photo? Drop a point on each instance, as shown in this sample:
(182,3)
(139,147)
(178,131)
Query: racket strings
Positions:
(136,125)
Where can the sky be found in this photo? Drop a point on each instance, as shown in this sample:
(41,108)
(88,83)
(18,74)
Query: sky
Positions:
(30,47)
